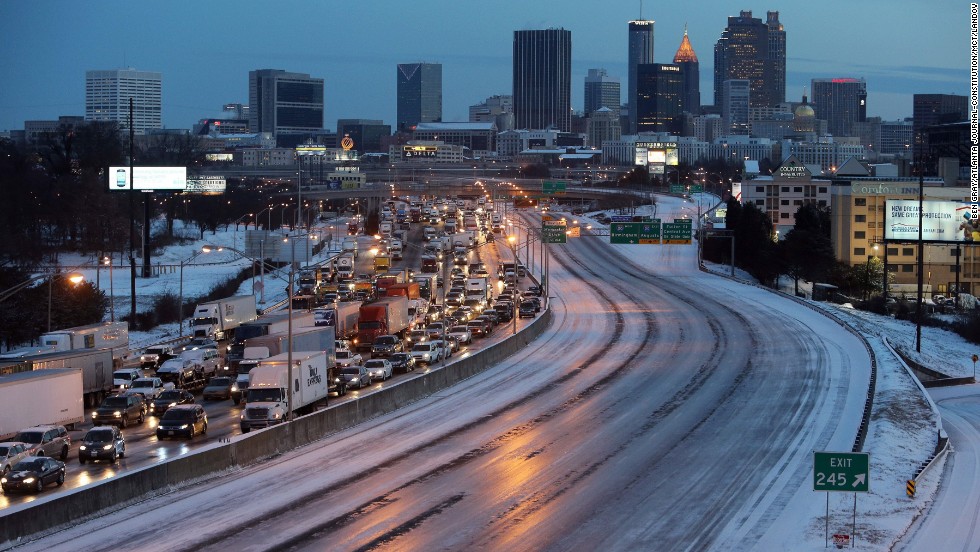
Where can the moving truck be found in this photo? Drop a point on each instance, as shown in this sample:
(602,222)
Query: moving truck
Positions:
(345,266)
(382,263)
(386,316)
(267,398)
(96,367)
(427,286)
(42,397)
(349,245)
(219,319)
(343,318)
(317,338)
(104,335)
(410,290)
(263,325)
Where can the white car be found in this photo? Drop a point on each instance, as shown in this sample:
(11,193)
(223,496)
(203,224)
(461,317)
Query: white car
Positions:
(346,357)
(461,334)
(427,353)
(379,368)
(150,388)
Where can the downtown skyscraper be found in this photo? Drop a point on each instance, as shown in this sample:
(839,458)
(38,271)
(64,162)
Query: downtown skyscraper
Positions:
(687,60)
(841,102)
(747,51)
(107,95)
(419,94)
(289,105)
(601,90)
(640,52)
(543,79)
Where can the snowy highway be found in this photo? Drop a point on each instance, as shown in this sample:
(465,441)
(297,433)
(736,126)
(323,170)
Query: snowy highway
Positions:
(664,409)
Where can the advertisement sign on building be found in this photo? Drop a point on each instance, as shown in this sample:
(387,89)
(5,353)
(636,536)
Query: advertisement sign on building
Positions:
(414,152)
(941,221)
(206,185)
(149,178)
(657,154)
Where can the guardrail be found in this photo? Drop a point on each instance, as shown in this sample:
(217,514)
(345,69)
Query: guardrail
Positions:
(244,450)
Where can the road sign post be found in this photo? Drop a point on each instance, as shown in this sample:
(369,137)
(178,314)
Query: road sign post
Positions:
(635,232)
(553,231)
(678,232)
(841,472)
(550,187)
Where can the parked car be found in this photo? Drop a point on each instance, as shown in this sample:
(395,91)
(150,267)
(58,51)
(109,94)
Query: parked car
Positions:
(169,399)
(386,345)
(183,420)
(347,357)
(380,368)
(355,376)
(10,454)
(32,473)
(402,362)
(120,410)
(46,441)
(219,388)
(462,334)
(102,443)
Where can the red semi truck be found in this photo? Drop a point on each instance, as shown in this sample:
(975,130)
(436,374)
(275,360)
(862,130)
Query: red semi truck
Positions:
(386,316)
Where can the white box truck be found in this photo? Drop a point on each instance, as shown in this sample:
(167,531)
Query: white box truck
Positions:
(218,319)
(349,245)
(257,349)
(267,398)
(96,366)
(42,397)
(345,266)
(114,335)
(264,325)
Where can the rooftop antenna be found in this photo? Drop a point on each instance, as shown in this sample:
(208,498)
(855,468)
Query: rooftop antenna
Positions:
(641,10)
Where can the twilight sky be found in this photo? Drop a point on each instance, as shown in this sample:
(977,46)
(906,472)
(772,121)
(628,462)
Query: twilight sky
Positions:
(205,48)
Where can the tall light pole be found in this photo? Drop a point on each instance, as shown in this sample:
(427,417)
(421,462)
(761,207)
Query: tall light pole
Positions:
(107,260)
(180,304)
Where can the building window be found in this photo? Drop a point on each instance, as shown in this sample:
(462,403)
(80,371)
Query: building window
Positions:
(822,203)
(760,189)
(784,202)
(860,218)
(908,251)
(859,235)
(860,201)
(797,202)
(760,202)
(881,225)
(891,251)
(907,268)
(859,252)
(822,190)
(784,189)
(892,268)
(798,189)
(784,215)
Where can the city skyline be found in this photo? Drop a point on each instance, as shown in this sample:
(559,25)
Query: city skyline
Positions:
(205,58)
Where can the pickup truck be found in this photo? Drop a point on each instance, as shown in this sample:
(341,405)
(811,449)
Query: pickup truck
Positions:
(150,388)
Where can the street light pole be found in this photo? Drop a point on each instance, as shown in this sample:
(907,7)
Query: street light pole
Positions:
(112,293)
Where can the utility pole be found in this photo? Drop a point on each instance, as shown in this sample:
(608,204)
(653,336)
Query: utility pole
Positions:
(132,226)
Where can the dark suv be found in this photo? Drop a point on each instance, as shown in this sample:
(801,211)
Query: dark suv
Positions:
(185,420)
(120,409)
(386,345)
(46,441)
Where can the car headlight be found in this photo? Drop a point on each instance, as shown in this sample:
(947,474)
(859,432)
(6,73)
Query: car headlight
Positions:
(95,415)
(29,480)
(82,447)
(173,404)
(185,426)
(234,388)
(354,380)
(3,479)
(117,414)
(107,447)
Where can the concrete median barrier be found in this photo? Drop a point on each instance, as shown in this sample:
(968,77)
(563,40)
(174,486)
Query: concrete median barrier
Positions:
(71,507)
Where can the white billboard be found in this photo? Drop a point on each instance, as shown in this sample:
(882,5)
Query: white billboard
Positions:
(940,221)
(149,178)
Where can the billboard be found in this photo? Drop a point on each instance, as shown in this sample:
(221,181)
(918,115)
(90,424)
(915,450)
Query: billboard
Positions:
(657,155)
(414,152)
(941,221)
(206,185)
(149,178)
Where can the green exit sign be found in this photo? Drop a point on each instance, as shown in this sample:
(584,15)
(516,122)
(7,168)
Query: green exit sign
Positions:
(554,232)
(677,189)
(841,471)
(553,187)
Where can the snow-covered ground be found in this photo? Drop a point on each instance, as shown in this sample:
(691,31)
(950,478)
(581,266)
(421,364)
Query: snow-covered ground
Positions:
(905,423)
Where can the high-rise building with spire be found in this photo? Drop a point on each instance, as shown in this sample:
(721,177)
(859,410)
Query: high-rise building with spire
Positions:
(640,52)
(688,62)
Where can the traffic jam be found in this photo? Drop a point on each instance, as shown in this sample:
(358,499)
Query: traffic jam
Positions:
(429,287)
